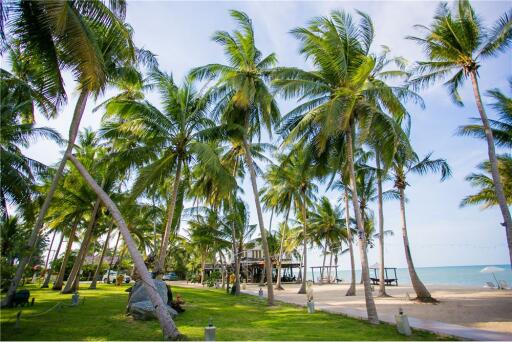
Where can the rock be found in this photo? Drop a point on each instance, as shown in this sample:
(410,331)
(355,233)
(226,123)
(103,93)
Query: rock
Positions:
(140,305)
(144,310)
(139,293)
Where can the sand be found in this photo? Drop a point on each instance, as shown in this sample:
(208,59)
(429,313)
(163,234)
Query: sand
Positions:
(473,307)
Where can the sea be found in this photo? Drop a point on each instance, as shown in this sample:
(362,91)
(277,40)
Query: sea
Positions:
(450,275)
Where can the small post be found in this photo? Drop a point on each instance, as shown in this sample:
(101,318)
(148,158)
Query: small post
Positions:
(18,316)
(309,295)
(402,323)
(260,293)
(33,300)
(209,331)
(75,298)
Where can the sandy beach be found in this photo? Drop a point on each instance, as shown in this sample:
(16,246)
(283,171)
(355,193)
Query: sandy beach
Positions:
(468,306)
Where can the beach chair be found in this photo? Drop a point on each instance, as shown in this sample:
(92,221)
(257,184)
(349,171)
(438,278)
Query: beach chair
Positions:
(490,285)
(504,285)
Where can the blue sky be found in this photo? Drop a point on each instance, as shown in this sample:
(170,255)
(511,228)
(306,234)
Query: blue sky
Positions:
(440,232)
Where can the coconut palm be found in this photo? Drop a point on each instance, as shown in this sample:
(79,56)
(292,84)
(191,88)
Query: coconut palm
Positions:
(327,226)
(206,236)
(456,43)
(486,196)
(278,195)
(501,127)
(84,36)
(18,172)
(300,172)
(339,96)
(245,100)
(175,136)
(406,162)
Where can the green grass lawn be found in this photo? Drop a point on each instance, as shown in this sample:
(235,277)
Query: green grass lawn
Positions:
(102,317)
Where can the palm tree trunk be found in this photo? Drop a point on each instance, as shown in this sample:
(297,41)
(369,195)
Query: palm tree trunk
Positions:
(160,265)
(302,288)
(3,202)
(421,291)
(380,209)
(120,259)
(324,252)
(84,248)
(236,251)
(167,325)
(49,251)
(498,186)
(111,263)
(73,131)
(237,265)
(103,251)
(281,247)
(203,262)
(330,265)
(264,242)
(60,277)
(49,272)
(370,304)
(352,289)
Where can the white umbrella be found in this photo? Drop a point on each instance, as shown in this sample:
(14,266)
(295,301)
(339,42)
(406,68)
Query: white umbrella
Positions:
(492,269)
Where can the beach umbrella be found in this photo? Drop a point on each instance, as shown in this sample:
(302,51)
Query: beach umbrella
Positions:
(492,269)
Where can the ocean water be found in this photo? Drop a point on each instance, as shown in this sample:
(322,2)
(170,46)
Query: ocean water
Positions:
(451,275)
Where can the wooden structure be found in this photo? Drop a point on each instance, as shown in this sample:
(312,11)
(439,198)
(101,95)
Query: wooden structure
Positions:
(327,270)
(387,280)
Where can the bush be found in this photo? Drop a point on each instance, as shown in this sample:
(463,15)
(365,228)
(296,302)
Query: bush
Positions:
(213,278)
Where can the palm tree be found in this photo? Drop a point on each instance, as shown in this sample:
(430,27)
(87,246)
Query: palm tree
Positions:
(279,196)
(174,138)
(166,323)
(83,36)
(245,101)
(327,226)
(339,96)
(405,162)
(487,196)
(501,127)
(207,237)
(18,172)
(299,170)
(455,44)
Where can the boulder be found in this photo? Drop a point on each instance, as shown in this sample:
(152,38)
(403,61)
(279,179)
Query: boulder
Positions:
(140,305)
(145,311)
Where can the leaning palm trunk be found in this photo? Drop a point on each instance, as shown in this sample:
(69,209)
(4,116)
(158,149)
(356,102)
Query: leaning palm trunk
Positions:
(264,242)
(498,186)
(382,284)
(302,288)
(84,248)
(421,291)
(73,131)
(60,277)
(169,329)
(49,251)
(113,256)
(281,247)
(370,304)
(160,265)
(352,289)
(103,251)
(49,271)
